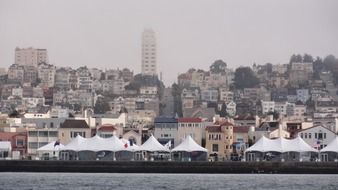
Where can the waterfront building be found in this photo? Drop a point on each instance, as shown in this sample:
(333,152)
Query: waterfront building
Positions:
(166,129)
(71,128)
(219,140)
(317,136)
(192,127)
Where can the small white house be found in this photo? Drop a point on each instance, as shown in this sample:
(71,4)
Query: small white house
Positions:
(317,136)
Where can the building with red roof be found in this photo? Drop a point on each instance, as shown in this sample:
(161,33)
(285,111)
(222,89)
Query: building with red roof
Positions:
(192,126)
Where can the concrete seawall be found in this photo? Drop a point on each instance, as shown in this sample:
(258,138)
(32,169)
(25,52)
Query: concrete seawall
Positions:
(169,167)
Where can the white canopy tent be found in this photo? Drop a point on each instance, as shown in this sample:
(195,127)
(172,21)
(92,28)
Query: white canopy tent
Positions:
(332,146)
(50,150)
(189,150)
(296,145)
(74,144)
(189,145)
(132,148)
(152,145)
(281,145)
(296,149)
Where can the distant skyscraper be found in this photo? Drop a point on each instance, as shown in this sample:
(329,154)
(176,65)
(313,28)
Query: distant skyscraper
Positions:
(30,56)
(149,53)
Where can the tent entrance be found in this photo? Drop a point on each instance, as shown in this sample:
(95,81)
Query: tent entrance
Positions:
(324,157)
(64,155)
(251,157)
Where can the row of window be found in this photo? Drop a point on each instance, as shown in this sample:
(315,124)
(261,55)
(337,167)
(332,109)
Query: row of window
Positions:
(189,125)
(165,135)
(316,136)
(42,133)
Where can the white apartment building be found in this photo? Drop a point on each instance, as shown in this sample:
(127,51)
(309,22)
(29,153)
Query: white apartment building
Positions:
(30,56)
(268,106)
(149,54)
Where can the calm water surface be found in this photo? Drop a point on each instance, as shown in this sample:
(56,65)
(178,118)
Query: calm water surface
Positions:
(165,181)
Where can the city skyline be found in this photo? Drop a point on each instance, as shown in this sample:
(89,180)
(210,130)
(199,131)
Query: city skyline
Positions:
(108,34)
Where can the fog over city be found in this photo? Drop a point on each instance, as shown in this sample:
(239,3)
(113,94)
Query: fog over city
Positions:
(189,33)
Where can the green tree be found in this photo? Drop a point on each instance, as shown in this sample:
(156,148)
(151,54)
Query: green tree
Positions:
(245,78)
(296,58)
(307,58)
(101,106)
(223,111)
(218,66)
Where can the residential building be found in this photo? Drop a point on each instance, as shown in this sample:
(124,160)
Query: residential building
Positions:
(71,128)
(219,140)
(46,74)
(18,141)
(149,53)
(303,95)
(38,137)
(317,136)
(16,73)
(62,79)
(30,56)
(209,95)
(190,126)
(166,129)
(225,95)
(268,106)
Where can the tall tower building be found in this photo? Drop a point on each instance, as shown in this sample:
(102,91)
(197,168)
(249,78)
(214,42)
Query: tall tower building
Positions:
(149,53)
(30,56)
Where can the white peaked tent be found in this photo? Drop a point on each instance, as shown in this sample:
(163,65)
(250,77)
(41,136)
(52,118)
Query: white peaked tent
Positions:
(94,144)
(265,145)
(115,144)
(189,145)
(332,146)
(50,150)
(296,145)
(330,152)
(280,145)
(74,144)
(50,147)
(5,149)
(129,147)
(152,145)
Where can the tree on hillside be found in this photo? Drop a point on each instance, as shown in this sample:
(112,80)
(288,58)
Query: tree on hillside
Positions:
(223,111)
(296,58)
(329,62)
(245,78)
(307,58)
(101,106)
(218,66)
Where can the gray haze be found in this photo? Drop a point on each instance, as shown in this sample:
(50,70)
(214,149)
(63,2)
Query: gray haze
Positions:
(190,33)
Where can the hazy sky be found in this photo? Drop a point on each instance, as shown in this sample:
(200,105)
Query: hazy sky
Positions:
(190,33)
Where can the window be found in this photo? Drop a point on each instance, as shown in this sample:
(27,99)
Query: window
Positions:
(32,133)
(316,136)
(305,135)
(20,142)
(301,135)
(215,147)
(320,135)
(33,145)
(73,134)
(310,135)
(53,133)
(43,133)
(324,134)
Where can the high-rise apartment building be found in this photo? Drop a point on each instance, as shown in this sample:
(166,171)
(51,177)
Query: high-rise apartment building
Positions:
(149,54)
(30,56)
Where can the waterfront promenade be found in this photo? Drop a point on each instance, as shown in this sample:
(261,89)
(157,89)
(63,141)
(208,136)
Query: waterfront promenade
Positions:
(168,167)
